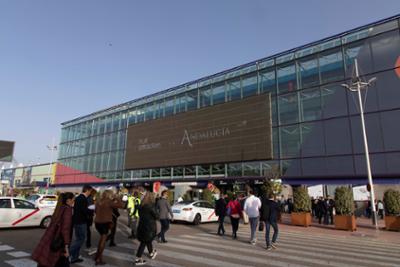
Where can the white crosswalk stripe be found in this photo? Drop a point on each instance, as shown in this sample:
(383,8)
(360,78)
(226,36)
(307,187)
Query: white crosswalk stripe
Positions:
(22,263)
(285,251)
(18,254)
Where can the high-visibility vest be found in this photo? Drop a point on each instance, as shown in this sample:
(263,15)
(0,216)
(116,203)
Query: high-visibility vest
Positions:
(134,207)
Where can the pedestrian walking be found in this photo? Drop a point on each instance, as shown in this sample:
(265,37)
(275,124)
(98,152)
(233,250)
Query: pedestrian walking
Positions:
(104,220)
(331,207)
(133,208)
(234,211)
(47,253)
(80,219)
(220,211)
(321,209)
(91,206)
(269,214)
(252,208)
(111,236)
(165,213)
(146,228)
(380,209)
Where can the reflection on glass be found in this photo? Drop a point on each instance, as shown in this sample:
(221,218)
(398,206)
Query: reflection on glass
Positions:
(288,109)
(234,91)
(267,81)
(205,97)
(308,69)
(331,65)
(191,98)
(218,93)
(250,86)
(287,78)
(310,104)
(290,141)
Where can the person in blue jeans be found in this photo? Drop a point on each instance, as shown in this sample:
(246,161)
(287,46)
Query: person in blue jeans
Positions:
(80,219)
(269,214)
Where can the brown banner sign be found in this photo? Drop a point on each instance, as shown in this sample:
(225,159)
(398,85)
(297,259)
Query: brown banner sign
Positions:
(230,132)
(6,150)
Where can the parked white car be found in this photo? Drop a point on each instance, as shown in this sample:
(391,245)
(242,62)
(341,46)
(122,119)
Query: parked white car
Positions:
(43,201)
(17,212)
(195,212)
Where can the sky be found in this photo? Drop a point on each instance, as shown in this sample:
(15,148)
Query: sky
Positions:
(63,59)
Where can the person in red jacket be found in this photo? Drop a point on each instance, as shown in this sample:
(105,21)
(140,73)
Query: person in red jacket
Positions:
(234,211)
(61,225)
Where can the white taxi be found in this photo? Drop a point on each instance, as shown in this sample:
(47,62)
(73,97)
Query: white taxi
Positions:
(195,212)
(16,212)
(43,201)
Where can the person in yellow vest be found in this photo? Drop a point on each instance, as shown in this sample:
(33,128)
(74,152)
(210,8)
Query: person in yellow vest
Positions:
(133,208)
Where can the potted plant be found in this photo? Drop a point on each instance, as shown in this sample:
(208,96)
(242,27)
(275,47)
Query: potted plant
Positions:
(301,214)
(391,200)
(344,207)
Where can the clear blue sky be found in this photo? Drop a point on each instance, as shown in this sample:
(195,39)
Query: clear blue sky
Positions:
(63,59)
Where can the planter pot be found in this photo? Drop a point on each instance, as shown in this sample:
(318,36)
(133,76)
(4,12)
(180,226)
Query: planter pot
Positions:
(392,223)
(301,218)
(344,222)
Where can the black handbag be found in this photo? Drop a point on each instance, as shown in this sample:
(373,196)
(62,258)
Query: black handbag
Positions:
(63,262)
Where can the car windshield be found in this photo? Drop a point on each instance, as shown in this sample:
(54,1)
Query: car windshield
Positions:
(32,198)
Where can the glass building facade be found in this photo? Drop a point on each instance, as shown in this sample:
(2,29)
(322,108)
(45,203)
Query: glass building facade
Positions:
(316,125)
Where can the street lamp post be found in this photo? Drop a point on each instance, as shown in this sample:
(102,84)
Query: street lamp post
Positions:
(52,148)
(356,86)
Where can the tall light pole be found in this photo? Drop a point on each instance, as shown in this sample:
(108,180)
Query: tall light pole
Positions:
(356,86)
(52,148)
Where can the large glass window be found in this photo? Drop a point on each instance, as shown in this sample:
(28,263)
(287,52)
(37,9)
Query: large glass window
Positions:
(288,109)
(218,169)
(191,100)
(342,165)
(287,80)
(140,114)
(169,106)
(205,97)
(149,111)
(249,85)
(108,123)
(132,116)
(391,129)
(203,170)
(218,93)
(267,81)
(385,50)
(234,90)
(308,70)
(334,101)
(234,169)
(362,52)
(251,169)
(290,141)
(369,99)
(158,109)
(116,120)
(190,171)
(180,104)
(331,65)
(337,136)
(312,136)
(313,166)
(388,90)
(374,132)
(310,104)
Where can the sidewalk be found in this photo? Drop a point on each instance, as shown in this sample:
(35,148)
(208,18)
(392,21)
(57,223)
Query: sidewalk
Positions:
(365,229)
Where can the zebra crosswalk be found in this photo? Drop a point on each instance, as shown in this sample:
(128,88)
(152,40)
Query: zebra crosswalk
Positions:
(204,248)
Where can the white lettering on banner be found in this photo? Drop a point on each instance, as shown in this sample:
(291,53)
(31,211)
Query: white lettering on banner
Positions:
(204,135)
(144,145)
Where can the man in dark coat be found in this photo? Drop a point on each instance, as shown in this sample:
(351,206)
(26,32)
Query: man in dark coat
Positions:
(269,214)
(80,220)
(220,211)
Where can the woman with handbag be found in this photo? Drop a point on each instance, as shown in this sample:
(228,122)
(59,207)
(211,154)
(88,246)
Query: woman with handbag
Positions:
(52,250)
(104,220)
(234,211)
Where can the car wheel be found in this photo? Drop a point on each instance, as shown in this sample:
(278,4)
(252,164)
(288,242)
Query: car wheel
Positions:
(197,219)
(45,222)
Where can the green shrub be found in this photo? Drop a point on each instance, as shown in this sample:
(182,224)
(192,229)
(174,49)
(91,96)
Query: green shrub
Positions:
(391,201)
(301,200)
(344,202)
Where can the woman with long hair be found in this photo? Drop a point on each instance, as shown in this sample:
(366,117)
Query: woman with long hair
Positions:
(60,227)
(147,229)
(103,220)
(234,210)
